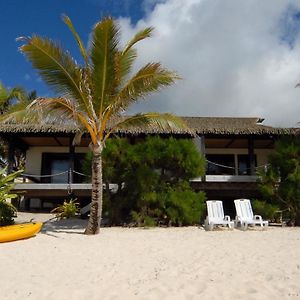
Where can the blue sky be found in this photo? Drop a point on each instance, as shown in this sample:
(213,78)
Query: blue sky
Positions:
(237,58)
(23,17)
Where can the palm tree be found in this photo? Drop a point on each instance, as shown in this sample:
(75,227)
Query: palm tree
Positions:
(13,103)
(96,93)
(7,95)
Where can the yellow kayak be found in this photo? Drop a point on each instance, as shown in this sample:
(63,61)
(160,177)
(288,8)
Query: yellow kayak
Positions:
(19,231)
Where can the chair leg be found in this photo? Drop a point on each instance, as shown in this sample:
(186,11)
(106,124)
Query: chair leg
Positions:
(244,226)
(207,226)
(236,223)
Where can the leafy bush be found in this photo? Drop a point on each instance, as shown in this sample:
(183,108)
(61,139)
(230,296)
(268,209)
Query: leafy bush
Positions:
(66,210)
(7,210)
(266,210)
(280,183)
(184,206)
(152,175)
(178,206)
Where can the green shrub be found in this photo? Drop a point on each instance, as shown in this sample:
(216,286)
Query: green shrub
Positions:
(280,183)
(184,206)
(66,210)
(7,210)
(177,205)
(143,220)
(266,210)
(152,175)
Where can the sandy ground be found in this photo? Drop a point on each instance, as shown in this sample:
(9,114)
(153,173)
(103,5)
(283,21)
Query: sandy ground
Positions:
(162,263)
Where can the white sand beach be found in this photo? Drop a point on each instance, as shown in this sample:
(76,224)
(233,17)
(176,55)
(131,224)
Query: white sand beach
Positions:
(161,263)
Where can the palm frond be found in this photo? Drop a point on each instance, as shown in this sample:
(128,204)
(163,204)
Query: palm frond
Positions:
(32,95)
(64,111)
(152,122)
(3,91)
(123,66)
(7,94)
(104,44)
(20,116)
(41,111)
(82,49)
(141,35)
(151,78)
(56,67)
(17,93)
(18,113)
(55,110)
(19,106)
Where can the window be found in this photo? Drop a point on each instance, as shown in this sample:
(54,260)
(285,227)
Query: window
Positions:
(220,164)
(59,166)
(56,163)
(244,164)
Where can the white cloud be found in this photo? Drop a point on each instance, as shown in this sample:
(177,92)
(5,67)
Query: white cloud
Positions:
(234,56)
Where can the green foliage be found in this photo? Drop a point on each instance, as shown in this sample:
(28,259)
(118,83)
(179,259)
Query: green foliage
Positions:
(266,210)
(173,159)
(7,210)
(280,183)
(15,99)
(66,210)
(184,206)
(152,175)
(177,205)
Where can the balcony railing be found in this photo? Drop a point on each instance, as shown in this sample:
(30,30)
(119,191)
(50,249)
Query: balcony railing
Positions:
(226,178)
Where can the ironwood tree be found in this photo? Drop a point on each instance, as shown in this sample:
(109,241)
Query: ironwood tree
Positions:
(152,175)
(280,183)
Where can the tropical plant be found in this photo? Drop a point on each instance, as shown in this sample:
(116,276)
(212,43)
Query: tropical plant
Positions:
(152,177)
(266,210)
(95,94)
(66,210)
(7,210)
(175,205)
(6,95)
(280,183)
(13,103)
(15,99)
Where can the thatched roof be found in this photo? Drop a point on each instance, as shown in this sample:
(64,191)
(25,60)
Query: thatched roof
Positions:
(200,125)
(234,126)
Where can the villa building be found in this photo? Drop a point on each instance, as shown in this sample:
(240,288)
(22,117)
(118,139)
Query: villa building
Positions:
(234,148)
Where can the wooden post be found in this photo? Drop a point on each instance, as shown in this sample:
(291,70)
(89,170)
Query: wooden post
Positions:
(202,148)
(11,154)
(251,156)
(71,160)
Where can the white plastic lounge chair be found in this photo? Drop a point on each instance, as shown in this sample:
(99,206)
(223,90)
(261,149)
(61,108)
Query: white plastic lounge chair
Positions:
(215,215)
(244,215)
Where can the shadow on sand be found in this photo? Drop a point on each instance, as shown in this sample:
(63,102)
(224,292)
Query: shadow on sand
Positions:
(70,226)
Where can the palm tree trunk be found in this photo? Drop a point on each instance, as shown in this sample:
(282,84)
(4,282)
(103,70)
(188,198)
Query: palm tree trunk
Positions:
(94,222)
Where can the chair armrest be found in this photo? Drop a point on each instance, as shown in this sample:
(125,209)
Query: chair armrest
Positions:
(227,218)
(258,217)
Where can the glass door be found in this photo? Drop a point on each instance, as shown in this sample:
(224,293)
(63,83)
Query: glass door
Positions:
(59,170)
